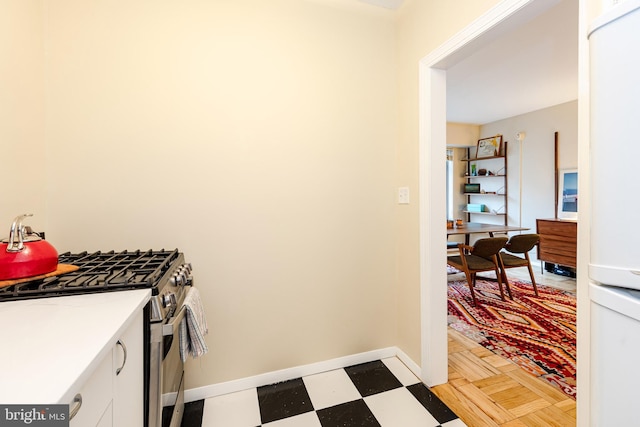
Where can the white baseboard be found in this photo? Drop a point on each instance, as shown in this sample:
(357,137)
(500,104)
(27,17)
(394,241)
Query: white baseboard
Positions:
(409,363)
(219,389)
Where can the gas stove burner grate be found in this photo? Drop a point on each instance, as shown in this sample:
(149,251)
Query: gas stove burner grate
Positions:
(99,272)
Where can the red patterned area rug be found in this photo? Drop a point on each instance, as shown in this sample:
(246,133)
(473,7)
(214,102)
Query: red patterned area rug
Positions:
(536,333)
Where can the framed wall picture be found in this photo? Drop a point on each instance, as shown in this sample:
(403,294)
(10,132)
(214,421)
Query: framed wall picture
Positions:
(568,193)
(489,147)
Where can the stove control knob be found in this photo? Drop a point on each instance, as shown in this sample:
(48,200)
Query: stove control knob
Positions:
(177,279)
(185,276)
(186,270)
(167,301)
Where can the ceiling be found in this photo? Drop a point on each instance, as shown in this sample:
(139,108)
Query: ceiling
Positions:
(527,63)
(530,63)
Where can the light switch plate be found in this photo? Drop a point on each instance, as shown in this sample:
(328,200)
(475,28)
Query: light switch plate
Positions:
(403,195)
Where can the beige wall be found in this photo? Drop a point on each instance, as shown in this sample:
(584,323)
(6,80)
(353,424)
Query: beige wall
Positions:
(460,135)
(264,139)
(22,113)
(538,165)
(257,137)
(422,27)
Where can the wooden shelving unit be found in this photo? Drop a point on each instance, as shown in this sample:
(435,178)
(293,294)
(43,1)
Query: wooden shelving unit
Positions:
(490,199)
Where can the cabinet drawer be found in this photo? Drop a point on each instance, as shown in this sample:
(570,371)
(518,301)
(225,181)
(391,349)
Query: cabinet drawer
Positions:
(557,228)
(97,394)
(558,241)
(560,250)
(556,258)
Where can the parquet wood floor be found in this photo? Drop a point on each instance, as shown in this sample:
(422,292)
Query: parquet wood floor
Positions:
(485,389)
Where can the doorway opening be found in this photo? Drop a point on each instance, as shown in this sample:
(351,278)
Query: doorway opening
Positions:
(433,195)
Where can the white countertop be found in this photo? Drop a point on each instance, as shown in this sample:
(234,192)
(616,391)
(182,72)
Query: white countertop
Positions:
(50,346)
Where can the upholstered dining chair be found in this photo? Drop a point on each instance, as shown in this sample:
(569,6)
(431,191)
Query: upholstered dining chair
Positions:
(482,256)
(516,254)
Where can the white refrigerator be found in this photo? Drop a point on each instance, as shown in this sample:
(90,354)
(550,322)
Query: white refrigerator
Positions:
(614,268)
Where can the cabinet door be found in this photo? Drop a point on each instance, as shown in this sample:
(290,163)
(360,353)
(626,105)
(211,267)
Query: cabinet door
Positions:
(96,395)
(107,417)
(128,371)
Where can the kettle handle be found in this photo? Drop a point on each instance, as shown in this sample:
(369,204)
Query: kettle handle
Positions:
(16,226)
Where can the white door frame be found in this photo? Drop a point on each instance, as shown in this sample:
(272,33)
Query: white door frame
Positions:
(432,146)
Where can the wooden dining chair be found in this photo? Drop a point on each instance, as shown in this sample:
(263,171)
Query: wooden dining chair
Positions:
(516,254)
(451,246)
(482,256)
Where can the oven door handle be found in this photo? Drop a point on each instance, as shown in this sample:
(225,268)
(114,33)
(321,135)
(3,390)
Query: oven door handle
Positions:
(169,328)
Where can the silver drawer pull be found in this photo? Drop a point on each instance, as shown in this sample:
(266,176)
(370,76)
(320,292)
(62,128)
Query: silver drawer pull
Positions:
(124,362)
(76,404)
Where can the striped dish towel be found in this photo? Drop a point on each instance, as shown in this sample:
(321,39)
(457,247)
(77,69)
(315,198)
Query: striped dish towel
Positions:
(193,327)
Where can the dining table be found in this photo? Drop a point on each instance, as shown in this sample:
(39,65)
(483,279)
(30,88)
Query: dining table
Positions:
(470,228)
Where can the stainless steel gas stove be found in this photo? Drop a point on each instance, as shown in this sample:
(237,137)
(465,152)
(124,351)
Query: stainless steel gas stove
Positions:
(168,277)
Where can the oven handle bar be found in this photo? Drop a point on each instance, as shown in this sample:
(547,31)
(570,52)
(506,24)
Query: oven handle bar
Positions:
(168,329)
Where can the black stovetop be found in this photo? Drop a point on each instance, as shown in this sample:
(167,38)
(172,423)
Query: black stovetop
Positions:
(98,272)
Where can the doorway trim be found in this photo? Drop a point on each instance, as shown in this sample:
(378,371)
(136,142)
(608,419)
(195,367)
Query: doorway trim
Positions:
(432,146)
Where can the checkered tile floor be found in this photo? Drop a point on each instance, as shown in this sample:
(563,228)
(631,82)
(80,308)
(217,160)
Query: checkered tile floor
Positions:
(383,393)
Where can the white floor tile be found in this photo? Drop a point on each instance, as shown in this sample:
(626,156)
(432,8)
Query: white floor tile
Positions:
(455,423)
(330,389)
(309,419)
(398,408)
(232,410)
(401,371)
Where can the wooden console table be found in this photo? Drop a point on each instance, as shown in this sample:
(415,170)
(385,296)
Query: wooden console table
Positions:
(558,241)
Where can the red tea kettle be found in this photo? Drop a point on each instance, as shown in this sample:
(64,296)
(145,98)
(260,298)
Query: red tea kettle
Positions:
(25,253)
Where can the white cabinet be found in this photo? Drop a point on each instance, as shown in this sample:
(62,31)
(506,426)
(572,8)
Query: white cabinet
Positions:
(107,417)
(128,386)
(94,397)
(113,394)
(615,345)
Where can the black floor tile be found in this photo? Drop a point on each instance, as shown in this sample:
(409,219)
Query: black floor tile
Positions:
(192,415)
(290,398)
(372,378)
(282,400)
(350,414)
(432,403)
